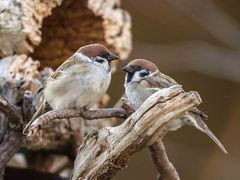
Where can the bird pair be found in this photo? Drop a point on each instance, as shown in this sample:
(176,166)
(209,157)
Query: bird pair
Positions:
(84,78)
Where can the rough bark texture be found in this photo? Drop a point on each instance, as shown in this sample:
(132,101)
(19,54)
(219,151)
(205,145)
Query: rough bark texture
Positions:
(106,151)
(50,31)
(72,23)
(11,137)
(20,24)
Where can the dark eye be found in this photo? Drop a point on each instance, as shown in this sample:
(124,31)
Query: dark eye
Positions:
(99,60)
(144,73)
(105,56)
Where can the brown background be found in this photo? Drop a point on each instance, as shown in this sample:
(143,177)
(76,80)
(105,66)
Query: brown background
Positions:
(196,42)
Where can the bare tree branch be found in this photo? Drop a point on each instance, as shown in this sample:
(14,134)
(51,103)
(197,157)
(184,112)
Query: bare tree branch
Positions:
(11,138)
(12,141)
(45,119)
(165,168)
(104,152)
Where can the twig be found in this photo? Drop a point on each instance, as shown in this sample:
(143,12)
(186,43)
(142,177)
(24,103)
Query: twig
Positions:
(45,119)
(104,152)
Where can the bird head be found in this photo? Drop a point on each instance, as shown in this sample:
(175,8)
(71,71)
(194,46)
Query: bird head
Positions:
(139,69)
(97,54)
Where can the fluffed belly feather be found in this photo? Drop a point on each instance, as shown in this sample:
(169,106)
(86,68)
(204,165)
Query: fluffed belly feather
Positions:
(74,90)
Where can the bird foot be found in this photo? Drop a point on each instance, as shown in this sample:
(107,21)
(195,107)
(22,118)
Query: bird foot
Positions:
(128,106)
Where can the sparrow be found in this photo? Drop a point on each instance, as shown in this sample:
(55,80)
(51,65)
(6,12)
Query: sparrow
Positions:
(143,79)
(79,82)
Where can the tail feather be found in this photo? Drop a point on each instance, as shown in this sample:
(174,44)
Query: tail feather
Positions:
(196,121)
(215,139)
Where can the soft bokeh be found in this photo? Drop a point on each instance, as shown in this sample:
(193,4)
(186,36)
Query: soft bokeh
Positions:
(197,42)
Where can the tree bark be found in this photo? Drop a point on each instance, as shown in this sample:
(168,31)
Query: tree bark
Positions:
(106,151)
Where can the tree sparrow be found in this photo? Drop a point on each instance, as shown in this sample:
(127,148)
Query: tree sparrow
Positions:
(143,79)
(79,82)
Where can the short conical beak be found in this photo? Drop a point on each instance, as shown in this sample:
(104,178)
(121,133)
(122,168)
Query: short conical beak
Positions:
(112,57)
(128,69)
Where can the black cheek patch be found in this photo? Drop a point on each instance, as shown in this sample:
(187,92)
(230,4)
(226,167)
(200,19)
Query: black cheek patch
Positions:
(143,74)
(129,77)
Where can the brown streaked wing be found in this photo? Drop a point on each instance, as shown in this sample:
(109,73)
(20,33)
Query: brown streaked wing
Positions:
(161,81)
(69,62)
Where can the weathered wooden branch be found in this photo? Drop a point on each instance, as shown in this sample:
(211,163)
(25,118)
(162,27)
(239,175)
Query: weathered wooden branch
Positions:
(10,144)
(11,137)
(165,168)
(158,152)
(106,151)
(10,141)
(47,118)
(11,121)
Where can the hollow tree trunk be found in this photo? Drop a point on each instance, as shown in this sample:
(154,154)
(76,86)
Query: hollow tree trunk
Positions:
(36,33)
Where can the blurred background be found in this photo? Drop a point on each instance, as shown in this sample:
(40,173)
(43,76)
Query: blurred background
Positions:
(197,42)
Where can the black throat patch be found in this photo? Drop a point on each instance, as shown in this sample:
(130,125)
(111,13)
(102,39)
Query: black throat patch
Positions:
(129,77)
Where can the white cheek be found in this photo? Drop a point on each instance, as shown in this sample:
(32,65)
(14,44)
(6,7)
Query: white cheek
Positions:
(104,65)
(136,76)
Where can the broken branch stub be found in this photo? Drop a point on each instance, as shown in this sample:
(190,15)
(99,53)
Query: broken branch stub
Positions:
(104,152)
